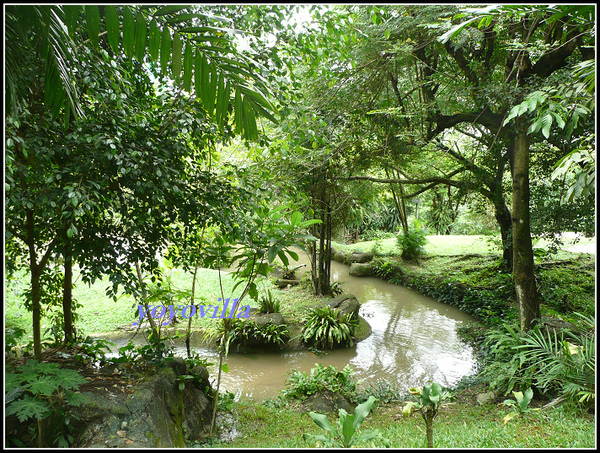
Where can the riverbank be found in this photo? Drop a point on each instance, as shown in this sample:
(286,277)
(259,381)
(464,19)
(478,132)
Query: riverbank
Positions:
(466,273)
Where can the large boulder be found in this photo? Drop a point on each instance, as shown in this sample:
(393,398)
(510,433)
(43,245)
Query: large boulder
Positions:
(153,414)
(345,304)
(361,270)
(360,257)
(262,319)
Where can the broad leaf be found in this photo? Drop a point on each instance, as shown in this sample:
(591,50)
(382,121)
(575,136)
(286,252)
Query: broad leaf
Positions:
(112,27)
(92,17)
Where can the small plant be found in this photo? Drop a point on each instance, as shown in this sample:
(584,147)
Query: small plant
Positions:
(412,243)
(43,392)
(428,401)
(322,378)
(269,334)
(345,435)
(269,304)
(520,404)
(325,329)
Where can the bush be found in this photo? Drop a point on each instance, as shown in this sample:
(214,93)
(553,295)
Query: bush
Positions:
(559,364)
(269,334)
(412,243)
(322,378)
(324,329)
(269,304)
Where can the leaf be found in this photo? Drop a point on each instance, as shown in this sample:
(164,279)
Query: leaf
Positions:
(72,18)
(187,68)
(128,32)
(362,410)
(153,40)
(171,9)
(546,123)
(92,17)
(165,49)
(27,407)
(112,27)
(140,37)
(296,218)
(322,422)
(225,368)
(176,56)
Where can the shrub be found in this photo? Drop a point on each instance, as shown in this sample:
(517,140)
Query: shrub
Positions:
(44,392)
(556,363)
(322,378)
(324,329)
(412,243)
(269,334)
(269,304)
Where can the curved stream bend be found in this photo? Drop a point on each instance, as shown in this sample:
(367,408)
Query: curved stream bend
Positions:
(414,341)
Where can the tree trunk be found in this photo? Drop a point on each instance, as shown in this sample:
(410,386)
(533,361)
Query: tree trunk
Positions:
(523,270)
(504,219)
(429,427)
(67,301)
(36,311)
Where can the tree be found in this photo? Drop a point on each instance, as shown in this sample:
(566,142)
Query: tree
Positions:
(181,42)
(101,182)
(559,32)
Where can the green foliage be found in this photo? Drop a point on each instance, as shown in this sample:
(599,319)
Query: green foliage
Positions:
(269,304)
(520,404)
(321,378)
(412,243)
(324,328)
(428,402)
(269,334)
(148,356)
(345,435)
(43,391)
(562,364)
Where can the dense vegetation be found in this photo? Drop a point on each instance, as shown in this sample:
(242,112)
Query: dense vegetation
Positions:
(149,147)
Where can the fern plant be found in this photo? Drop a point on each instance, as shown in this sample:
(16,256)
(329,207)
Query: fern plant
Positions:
(324,328)
(41,391)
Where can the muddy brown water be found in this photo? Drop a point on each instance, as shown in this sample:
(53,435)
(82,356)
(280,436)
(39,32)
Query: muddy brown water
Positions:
(414,341)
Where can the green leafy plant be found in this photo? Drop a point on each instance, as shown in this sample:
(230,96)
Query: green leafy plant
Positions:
(557,363)
(269,304)
(428,402)
(43,392)
(520,404)
(324,328)
(268,334)
(412,243)
(345,434)
(322,378)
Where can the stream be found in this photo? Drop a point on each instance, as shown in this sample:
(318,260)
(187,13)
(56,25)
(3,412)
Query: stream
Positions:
(414,341)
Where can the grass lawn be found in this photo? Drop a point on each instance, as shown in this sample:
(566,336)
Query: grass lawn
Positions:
(459,425)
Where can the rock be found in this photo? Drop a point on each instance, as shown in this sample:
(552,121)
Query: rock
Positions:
(361,270)
(340,256)
(486,398)
(155,413)
(345,304)
(262,319)
(326,402)
(360,257)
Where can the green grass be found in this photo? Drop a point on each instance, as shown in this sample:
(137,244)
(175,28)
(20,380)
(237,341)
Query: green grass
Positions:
(460,425)
(451,245)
